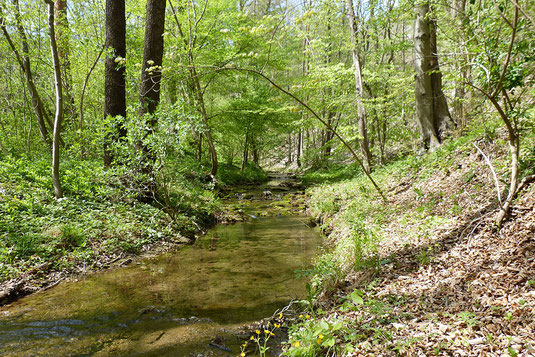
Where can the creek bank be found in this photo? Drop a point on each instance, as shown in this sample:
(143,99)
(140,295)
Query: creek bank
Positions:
(241,272)
(425,274)
(280,198)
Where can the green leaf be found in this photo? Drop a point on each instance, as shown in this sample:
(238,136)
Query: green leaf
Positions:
(356,298)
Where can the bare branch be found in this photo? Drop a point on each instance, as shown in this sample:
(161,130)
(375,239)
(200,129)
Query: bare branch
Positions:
(509,51)
(523,12)
(493,172)
(327,125)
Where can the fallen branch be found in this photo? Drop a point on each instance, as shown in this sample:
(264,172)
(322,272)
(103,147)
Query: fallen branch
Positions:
(493,173)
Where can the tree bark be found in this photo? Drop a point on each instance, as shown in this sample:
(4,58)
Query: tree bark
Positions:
(431,106)
(59,102)
(114,72)
(361,111)
(299,148)
(151,74)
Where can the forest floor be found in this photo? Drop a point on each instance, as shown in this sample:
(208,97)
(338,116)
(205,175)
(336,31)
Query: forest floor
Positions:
(97,225)
(426,273)
(100,223)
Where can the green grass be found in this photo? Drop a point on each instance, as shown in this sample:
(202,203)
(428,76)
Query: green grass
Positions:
(98,215)
(351,211)
(230,174)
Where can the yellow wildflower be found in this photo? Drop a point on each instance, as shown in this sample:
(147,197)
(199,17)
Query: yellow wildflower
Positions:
(257,332)
(252,338)
(307,317)
(277,325)
(320,339)
(295,344)
(300,316)
(242,354)
(280,315)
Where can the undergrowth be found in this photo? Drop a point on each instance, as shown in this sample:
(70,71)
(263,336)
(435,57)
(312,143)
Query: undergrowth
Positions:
(351,213)
(97,217)
(230,174)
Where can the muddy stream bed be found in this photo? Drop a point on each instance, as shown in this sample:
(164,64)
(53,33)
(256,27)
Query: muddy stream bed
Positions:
(196,301)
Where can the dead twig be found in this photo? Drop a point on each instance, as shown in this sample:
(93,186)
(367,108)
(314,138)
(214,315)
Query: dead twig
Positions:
(493,173)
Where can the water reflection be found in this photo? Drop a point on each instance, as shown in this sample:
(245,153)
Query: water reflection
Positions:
(170,305)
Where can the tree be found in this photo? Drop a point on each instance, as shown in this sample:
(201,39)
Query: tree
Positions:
(152,59)
(357,67)
(194,84)
(431,107)
(59,101)
(115,84)
(149,95)
(63,43)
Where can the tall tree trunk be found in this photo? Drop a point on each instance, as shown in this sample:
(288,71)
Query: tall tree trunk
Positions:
(431,107)
(256,154)
(290,156)
(299,148)
(361,112)
(151,74)
(245,156)
(59,102)
(441,114)
(114,83)
(459,9)
(149,92)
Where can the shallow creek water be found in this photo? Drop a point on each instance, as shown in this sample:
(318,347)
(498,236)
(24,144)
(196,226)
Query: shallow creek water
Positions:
(172,305)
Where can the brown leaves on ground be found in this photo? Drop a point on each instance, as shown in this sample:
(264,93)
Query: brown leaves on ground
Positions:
(456,287)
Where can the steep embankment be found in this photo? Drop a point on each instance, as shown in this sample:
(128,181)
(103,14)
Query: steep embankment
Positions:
(426,273)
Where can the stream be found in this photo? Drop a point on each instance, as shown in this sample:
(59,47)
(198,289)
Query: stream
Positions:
(191,302)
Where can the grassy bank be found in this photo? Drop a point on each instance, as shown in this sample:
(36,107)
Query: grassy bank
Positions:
(99,222)
(425,273)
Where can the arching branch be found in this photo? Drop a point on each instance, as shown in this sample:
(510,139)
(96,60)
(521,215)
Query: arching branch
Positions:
(307,107)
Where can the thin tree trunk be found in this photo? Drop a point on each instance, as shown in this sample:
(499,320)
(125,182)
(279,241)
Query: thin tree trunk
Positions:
(361,112)
(59,102)
(24,62)
(198,94)
(256,154)
(458,106)
(290,158)
(245,151)
(62,40)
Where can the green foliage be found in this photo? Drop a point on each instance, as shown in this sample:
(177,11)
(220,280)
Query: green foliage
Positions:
(334,173)
(71,236)
(97,217)
(231,175)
